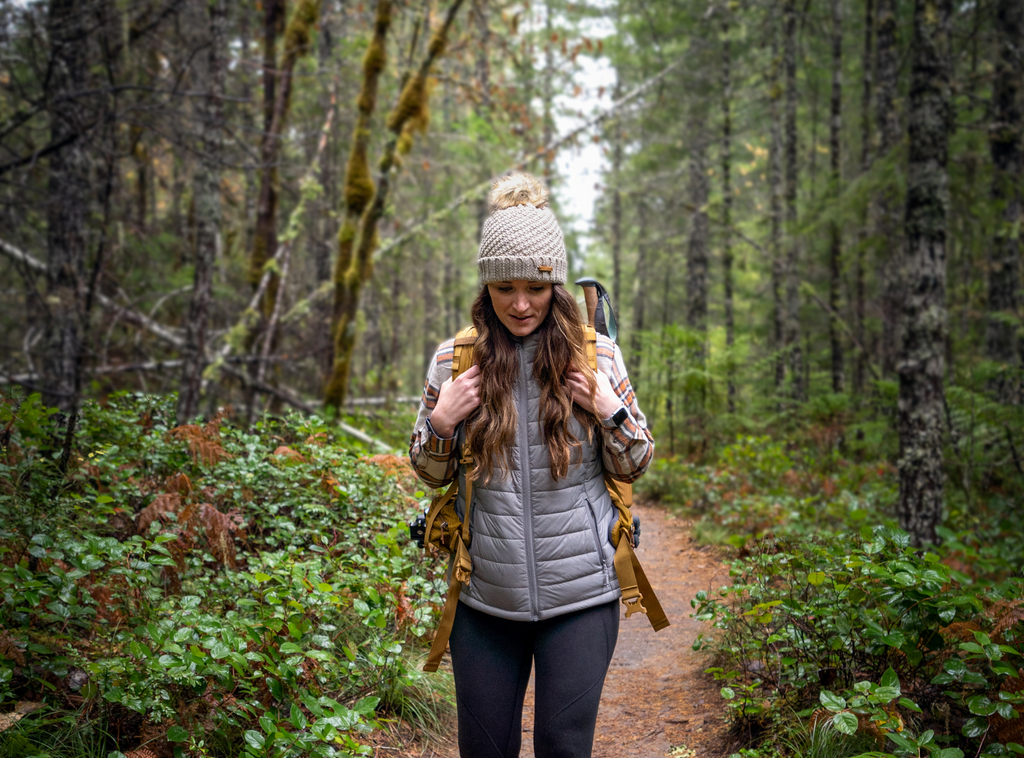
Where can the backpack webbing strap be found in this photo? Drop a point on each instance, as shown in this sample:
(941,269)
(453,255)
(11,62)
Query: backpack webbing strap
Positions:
(463,351)
(590,345)
(636,589)
(462,564)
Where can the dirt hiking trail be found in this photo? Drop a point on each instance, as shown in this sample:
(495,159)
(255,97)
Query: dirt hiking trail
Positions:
(656,697)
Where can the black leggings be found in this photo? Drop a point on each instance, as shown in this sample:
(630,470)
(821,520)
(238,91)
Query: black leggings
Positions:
(492,658)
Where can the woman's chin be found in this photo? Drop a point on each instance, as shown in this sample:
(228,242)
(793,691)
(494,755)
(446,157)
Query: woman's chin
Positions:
(521,328)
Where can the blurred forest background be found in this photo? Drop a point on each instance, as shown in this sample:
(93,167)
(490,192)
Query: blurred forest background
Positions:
(278,203)
(807,214)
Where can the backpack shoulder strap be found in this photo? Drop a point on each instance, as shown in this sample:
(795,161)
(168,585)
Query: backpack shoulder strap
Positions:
(463,357)
(590,345)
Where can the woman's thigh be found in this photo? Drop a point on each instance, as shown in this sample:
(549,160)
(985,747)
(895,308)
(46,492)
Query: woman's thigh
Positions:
(572,654)
(491,661)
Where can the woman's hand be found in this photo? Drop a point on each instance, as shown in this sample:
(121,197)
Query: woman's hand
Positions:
(606,402)
(455,401)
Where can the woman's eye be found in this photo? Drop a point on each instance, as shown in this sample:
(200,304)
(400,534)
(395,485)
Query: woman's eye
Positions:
(504,289)
(536,289)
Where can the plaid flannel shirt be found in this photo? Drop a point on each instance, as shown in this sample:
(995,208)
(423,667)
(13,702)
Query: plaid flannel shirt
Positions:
(626,451)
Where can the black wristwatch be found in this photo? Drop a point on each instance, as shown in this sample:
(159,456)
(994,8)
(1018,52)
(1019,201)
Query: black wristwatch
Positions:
(620,416)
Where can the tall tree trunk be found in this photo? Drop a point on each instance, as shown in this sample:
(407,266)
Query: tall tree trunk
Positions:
(865,166)
(247,118)
(548,89)
(889,136)
(69,196)
(921,361)
(1002,343)
(835,246)
(616,225)
(792,323)
(730,321)
(697,247)
(639,295)
(325,223)
(297,40)
(264,243)
(208,79)
(776,192)
(483,64)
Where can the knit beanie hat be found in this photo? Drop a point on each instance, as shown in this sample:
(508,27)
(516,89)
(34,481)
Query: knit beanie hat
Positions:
(521,238)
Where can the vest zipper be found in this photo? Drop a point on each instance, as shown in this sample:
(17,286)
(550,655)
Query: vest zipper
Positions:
(596,532)
(524,466)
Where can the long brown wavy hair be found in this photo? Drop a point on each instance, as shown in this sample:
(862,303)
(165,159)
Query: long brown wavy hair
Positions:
(491,430)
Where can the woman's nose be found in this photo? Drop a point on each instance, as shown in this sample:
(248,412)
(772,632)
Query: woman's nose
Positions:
(522,303)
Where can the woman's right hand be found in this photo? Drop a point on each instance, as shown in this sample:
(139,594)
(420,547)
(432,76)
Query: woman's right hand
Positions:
(455,401)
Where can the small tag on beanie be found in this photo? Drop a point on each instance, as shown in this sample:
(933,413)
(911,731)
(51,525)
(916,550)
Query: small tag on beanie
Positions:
(545,269)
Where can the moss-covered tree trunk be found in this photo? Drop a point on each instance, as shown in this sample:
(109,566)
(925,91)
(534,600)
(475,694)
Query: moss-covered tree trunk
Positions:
(1002,343)
(921,364)
(364,203)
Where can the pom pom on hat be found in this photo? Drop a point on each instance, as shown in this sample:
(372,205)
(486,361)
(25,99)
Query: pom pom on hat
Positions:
(521,238)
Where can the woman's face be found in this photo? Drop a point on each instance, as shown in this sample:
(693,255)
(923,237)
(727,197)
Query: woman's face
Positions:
(521,305)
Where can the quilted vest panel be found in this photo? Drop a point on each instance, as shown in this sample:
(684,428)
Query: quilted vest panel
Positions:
(540,548)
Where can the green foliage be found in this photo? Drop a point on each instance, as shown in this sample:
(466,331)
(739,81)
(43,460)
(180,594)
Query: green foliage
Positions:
(802,618)
(760,487)
(250,589)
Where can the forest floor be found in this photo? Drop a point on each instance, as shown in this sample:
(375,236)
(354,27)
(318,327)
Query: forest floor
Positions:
(657,700)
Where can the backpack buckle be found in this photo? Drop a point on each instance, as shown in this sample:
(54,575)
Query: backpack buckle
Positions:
(633,605)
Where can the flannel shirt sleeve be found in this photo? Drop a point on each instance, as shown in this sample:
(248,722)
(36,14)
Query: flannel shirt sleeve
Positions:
(434,458)
(628,449)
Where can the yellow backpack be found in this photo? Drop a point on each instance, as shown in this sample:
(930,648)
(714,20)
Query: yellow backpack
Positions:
(449,534)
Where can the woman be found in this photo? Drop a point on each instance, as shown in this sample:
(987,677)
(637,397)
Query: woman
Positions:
(542,428)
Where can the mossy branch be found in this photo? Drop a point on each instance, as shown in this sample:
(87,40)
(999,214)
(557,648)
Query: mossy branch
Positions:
(358,241)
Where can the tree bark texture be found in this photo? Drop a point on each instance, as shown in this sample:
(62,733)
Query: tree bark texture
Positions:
(548,90)
(1002,343)
(483,65)
(639,294)
(776,192)
(209,78)
(889,241)
(264,243)
(835,230)
(697,246)
(921,365)
(792,322)
(297,42)
(726,157)
(867,92)
(616,225)
(67,210)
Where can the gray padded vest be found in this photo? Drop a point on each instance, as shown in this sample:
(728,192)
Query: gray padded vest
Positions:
(540,548)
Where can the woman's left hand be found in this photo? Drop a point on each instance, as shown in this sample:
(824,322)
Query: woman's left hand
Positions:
(606,402)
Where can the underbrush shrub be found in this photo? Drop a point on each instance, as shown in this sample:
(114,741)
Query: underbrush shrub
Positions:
(250,589)
(841,620)
(760,488)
